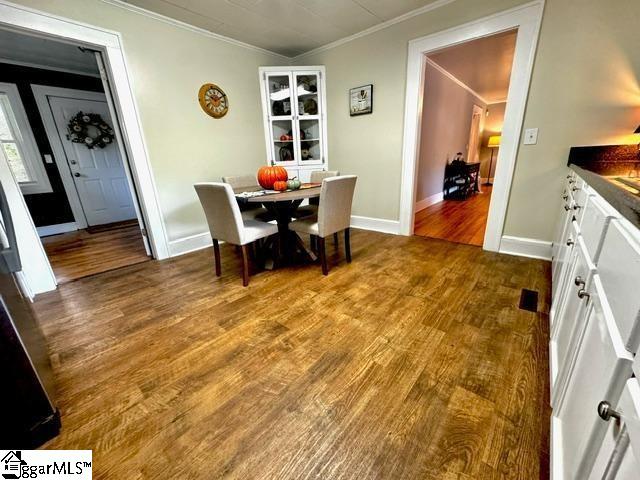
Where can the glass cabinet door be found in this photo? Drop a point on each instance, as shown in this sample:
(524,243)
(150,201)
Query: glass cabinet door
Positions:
(308,106)
(279,94)
(283,142)
(281,119)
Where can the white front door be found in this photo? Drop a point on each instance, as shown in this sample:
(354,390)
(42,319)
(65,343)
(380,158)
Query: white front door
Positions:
(98,173)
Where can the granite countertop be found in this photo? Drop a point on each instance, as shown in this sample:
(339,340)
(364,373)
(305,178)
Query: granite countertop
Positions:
(600,167)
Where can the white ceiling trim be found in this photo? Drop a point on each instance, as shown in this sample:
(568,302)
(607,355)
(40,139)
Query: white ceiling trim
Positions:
(48,67)
(377,28)
(459,82)
(188,26)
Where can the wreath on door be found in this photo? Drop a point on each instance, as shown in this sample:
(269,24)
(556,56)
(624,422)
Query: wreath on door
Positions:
(90,129)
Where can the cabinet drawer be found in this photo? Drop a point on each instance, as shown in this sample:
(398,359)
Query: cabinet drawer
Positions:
(562,259)
(619,454)
(594,221)
(567,324)
(619,268)
(598,371)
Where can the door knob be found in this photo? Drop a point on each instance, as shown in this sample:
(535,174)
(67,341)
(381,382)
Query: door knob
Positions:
(77,174)
(606,412)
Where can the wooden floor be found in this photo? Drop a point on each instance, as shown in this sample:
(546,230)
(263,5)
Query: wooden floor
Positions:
(79,254)
(460,221)
(412,362)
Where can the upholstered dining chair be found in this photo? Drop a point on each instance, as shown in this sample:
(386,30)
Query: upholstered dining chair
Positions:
(316,177)
(334,215)
(250,211)
(226,223)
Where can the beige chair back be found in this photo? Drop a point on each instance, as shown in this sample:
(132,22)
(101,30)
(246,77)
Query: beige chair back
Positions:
(241,181)
(336,197)
(317,176)
(222,211)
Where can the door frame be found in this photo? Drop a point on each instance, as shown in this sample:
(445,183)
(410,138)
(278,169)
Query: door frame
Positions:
(41,92)
(36,23)
(526,19)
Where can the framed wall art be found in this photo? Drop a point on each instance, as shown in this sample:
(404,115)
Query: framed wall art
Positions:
(361,100)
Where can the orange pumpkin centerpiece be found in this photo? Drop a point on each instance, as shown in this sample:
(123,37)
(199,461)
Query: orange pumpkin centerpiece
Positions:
(280,185)
(267,176)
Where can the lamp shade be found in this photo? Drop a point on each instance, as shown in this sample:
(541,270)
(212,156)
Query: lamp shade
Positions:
(494,141)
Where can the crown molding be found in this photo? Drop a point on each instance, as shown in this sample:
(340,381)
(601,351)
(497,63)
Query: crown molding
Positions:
(192,28)
(456,80)
(377,28)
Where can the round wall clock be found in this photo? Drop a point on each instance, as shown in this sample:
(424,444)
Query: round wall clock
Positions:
(213,100)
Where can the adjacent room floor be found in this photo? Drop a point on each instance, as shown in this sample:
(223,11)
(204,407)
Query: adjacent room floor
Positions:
(83,253)
(460,221)
(414,361)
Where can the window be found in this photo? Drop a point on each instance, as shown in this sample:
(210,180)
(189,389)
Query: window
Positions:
(18,144)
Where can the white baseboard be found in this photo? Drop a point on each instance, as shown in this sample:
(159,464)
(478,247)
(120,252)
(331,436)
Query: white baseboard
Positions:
(525,247)
(430,200)
(190,244)
(376,224)
(57,229)
(203,240)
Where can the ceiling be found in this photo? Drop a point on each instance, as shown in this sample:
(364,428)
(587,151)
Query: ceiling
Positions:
(287,27)
(484,65)
(17,47)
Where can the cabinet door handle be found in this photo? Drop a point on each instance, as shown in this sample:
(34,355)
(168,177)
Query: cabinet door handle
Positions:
(565,197)
(577,207)
(606,412)
(566,208)
(579,281)
(582,293)
(570,242)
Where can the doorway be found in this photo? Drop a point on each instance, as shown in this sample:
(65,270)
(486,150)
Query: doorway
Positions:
(526,20)
(465,94)
(59,136)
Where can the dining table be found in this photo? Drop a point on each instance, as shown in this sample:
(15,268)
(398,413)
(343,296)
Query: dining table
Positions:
(282,206)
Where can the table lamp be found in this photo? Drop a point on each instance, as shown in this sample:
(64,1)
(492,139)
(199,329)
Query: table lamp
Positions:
(494,142)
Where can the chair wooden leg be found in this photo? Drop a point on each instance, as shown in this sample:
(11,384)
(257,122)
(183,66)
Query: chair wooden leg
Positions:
(245,265)
(216,254)
(323,256)
(347,244)
(336,240)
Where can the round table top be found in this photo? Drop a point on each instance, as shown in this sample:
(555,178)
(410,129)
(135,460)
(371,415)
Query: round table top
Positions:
(287,196)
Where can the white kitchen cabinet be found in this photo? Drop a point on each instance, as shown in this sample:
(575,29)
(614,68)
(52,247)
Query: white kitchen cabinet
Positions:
(619,454)
(569,325)
(295,121)
(594,222)
(598,371)
(562,260)
(619,268)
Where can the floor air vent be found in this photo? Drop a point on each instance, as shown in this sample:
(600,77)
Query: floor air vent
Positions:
(528,300)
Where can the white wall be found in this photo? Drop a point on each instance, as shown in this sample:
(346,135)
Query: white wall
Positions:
(167,65)
(446,121)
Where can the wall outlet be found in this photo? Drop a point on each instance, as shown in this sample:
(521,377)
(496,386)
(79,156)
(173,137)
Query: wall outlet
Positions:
(531,136)
(48,158)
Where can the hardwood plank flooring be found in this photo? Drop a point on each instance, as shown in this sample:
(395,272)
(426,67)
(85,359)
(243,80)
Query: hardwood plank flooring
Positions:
(460,221)
(79,254)
(412,362)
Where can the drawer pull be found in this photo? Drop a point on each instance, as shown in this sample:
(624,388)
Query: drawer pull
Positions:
(574,189)
(582,293)
(566,208)
(579,281)
(570,242)
(577,207)
(606,412)
(565,197)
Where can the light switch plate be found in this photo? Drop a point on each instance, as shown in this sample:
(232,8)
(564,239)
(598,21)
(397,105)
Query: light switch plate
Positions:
(48,158)
(531,136)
